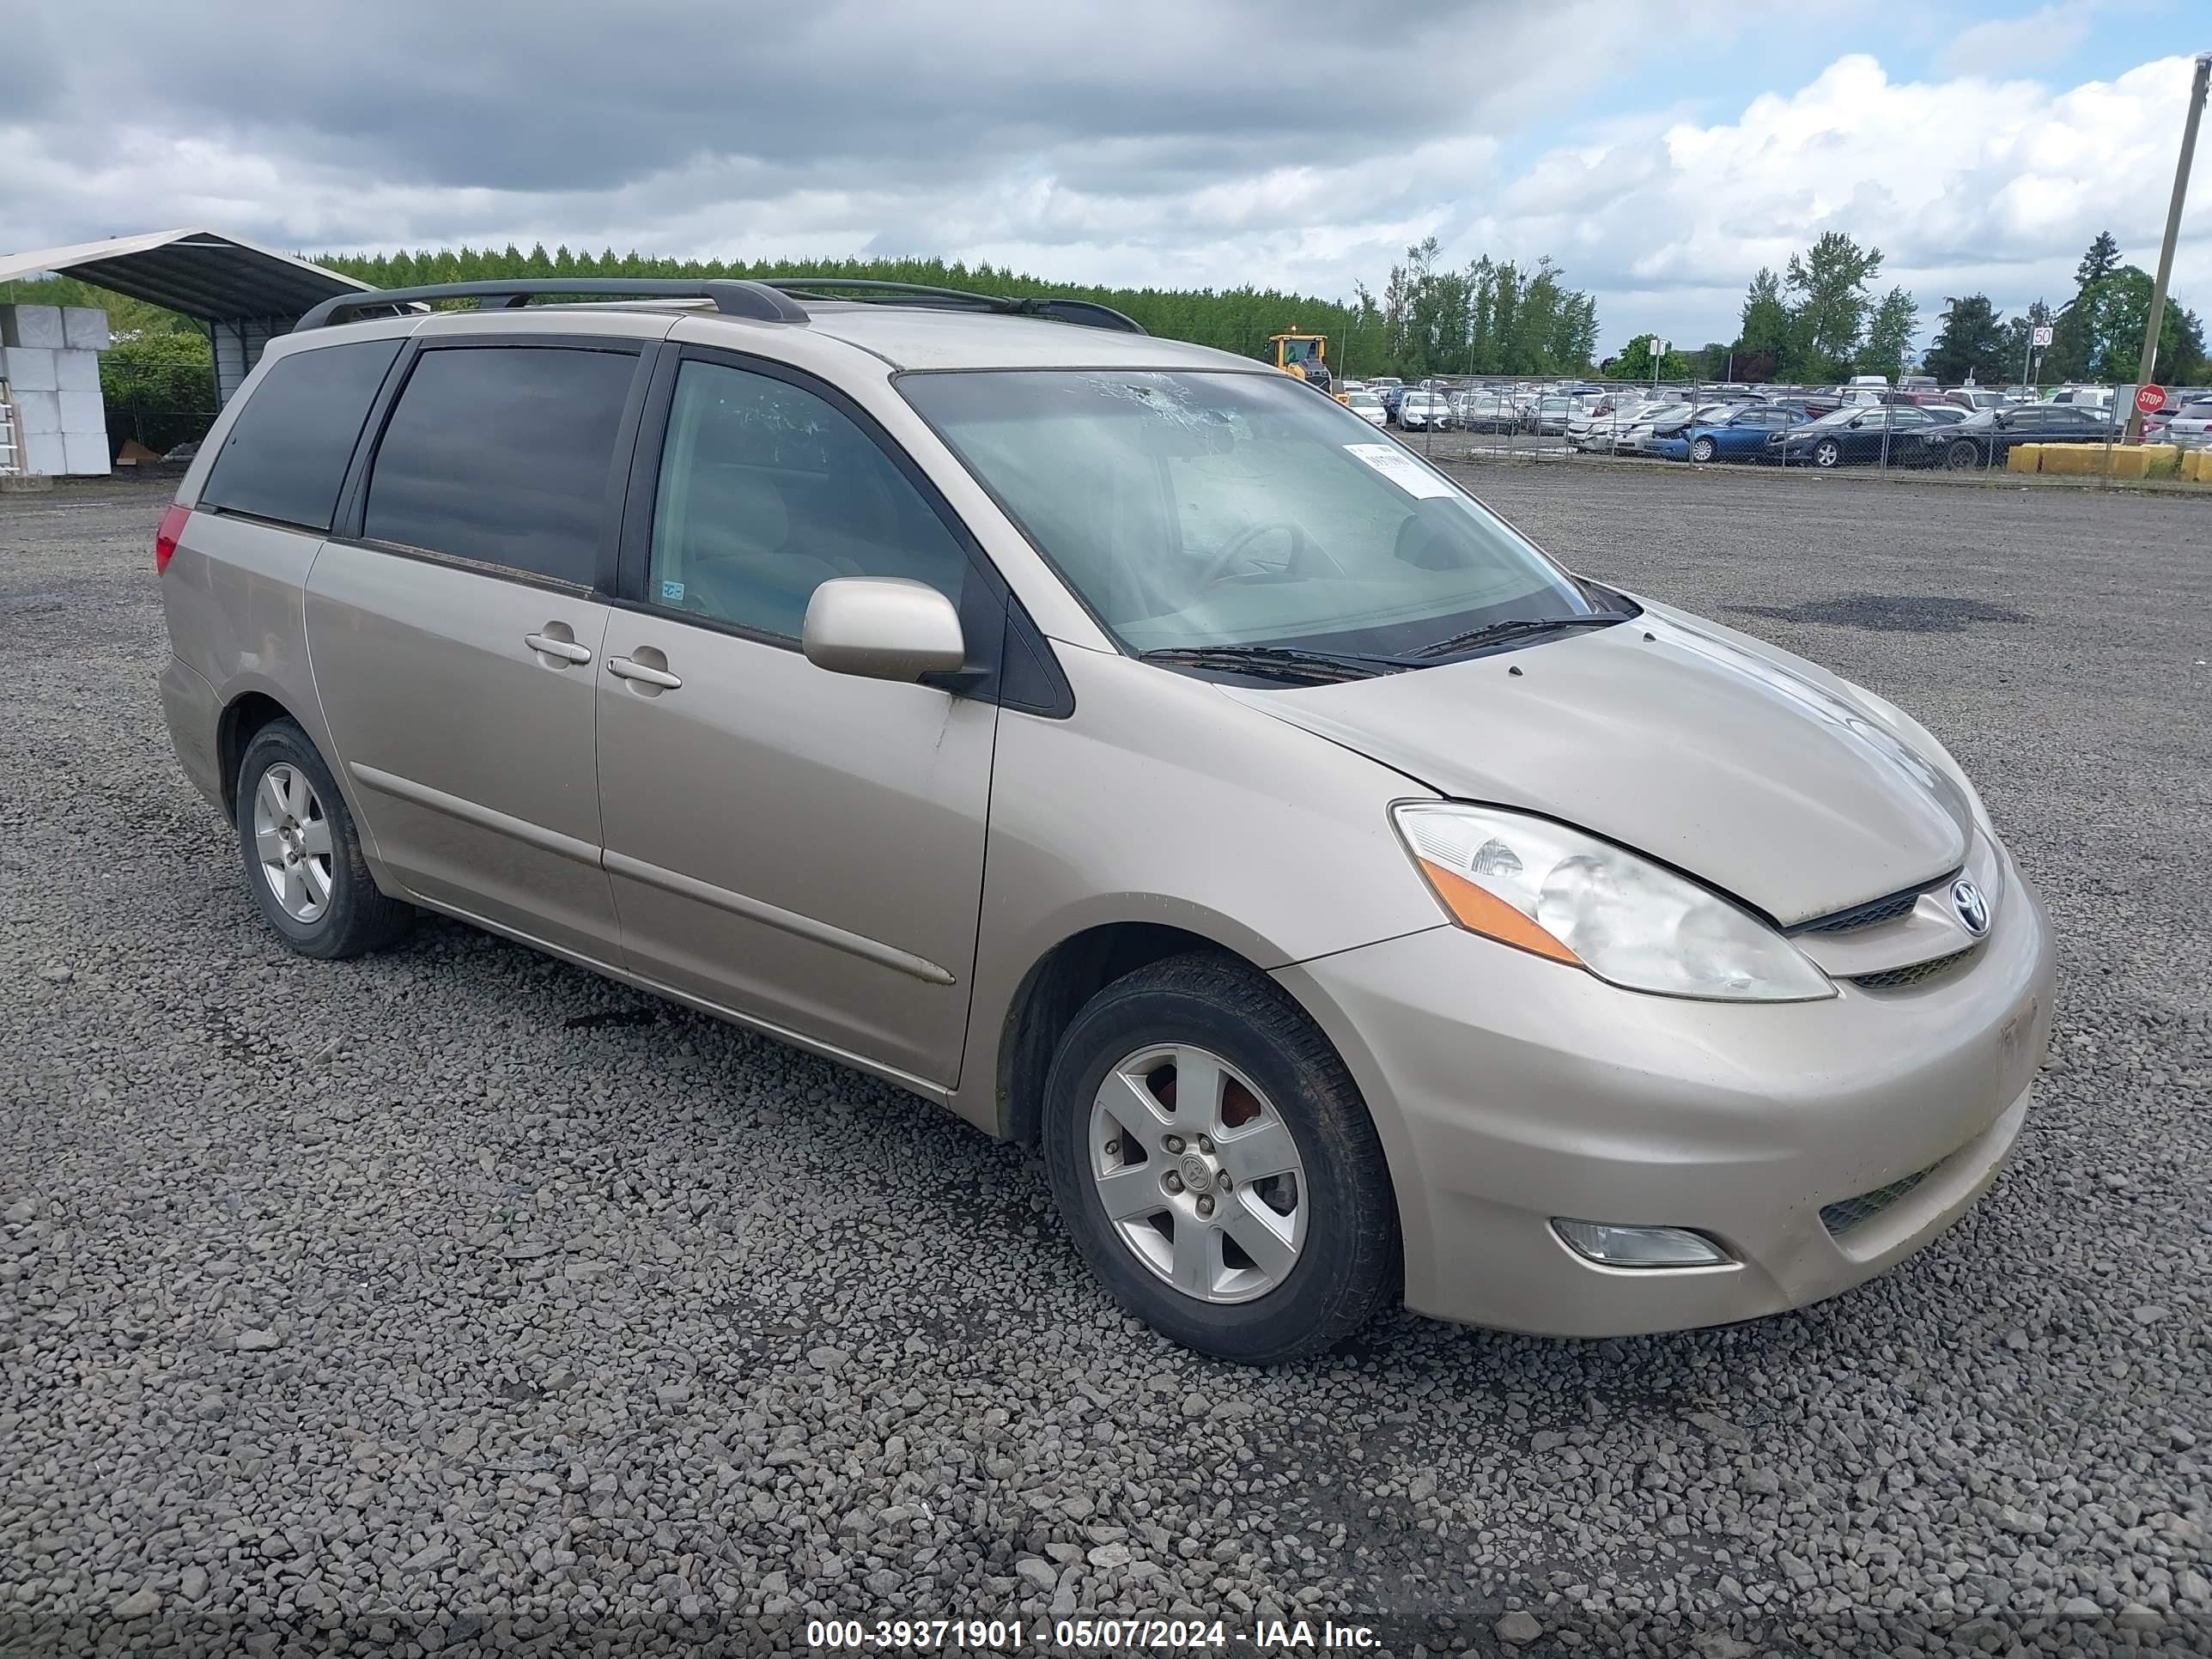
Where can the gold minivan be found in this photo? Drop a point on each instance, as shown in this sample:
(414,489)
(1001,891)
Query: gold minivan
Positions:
(1131,749)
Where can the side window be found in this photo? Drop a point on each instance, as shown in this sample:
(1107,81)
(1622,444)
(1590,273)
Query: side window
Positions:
(767,491)
(499,454)
(287,452)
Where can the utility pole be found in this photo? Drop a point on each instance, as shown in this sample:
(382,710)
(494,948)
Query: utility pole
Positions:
(2172,233)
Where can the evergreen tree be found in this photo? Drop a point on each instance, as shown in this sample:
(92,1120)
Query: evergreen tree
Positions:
(1763,335)
(2101,260)
(1972,344)
(1889,334)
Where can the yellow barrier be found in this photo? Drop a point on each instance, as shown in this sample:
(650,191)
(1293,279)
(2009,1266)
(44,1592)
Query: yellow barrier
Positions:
(2193,466)
(2070,460)
(2024,458)
(2123,463)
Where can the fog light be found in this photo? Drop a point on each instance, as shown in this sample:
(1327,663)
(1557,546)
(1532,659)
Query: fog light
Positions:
(1638,1247)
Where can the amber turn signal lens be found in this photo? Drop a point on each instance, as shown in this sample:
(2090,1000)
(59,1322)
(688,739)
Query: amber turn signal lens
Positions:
(1483,913)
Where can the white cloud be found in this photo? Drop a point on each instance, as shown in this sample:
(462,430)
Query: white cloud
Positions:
(1198,157)
(1965,185)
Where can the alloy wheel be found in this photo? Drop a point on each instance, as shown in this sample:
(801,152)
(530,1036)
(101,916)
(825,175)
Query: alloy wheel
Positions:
(1198,1173)
(1827,452)
(292,840)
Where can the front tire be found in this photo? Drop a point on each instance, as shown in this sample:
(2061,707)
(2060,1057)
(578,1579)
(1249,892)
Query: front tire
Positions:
(1962,457)
(1216,1167)
(302,854)
(1827,452)
(1703,450)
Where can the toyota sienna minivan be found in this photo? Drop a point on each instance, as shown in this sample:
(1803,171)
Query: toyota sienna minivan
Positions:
(1141,756)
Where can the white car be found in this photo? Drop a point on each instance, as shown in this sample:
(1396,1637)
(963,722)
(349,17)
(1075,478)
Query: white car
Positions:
(1600,427)
(2190,425)
(1368,407)
(1424,409)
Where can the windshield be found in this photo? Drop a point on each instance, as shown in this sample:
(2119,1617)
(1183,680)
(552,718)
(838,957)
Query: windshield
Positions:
(1192,510)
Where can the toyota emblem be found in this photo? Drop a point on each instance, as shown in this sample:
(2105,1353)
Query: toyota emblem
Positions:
(1973,909)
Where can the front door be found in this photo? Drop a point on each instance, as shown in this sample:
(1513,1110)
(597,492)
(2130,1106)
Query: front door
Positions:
(800,847)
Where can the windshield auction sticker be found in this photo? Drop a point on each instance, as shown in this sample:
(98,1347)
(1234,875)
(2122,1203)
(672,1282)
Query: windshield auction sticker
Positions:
(1400,469)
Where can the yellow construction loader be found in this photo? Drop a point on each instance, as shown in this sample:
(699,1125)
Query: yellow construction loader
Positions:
(1305,355)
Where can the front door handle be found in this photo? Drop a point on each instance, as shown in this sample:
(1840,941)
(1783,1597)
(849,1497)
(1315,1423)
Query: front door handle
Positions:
(552,645)
(628,668)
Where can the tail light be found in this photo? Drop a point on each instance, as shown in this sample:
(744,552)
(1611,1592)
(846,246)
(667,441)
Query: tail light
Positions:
(165,538)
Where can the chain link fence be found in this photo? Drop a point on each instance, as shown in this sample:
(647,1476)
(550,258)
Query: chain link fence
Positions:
(1909,429)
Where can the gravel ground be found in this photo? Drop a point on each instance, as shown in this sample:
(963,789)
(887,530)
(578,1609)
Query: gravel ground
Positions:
(457,1299)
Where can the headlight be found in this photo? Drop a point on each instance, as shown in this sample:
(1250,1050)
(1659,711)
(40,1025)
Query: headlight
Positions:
(1556,892)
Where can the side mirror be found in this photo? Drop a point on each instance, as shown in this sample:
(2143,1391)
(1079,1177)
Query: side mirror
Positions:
(883,628)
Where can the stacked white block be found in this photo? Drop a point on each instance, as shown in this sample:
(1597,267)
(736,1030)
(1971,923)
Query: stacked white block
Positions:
(50,358)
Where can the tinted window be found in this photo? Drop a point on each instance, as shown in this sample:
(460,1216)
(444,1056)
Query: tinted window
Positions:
(287,452)
(767,491)
(500,453)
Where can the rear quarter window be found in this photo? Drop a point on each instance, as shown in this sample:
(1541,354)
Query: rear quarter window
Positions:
(501,455)
(287,451)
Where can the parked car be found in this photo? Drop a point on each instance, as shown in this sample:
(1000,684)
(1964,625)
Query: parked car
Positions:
(1986,438)
(1485,411)
(1894,434)
(1676,982)
(1654,425)
(1600,430)
(2188,425)
(1368,406)
(1424,412)
(1975,398)
(1742,434)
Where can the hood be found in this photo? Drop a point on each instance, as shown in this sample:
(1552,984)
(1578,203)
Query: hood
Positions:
(1763,776)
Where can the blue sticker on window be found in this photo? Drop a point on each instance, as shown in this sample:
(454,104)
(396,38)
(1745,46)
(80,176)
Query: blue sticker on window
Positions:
(672,592)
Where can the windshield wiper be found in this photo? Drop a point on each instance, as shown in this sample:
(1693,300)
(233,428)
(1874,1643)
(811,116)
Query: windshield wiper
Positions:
(1514,628)
(1275,661)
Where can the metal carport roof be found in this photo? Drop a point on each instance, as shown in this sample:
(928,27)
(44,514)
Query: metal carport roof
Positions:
(201,273)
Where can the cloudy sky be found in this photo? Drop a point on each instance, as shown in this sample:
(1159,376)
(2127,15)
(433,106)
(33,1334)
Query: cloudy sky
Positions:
(1659,156)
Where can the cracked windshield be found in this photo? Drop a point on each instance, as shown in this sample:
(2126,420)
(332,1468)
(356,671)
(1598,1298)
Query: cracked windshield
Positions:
(1202,510)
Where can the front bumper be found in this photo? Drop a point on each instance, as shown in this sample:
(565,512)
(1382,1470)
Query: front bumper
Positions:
(1510,1090)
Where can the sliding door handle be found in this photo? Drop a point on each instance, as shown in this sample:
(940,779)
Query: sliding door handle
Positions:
(626,668)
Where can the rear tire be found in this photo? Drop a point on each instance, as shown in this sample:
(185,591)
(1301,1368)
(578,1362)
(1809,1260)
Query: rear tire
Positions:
(1326,1256)
(302,854)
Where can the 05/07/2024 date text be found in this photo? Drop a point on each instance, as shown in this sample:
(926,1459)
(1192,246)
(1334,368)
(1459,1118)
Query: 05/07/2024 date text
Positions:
(1079,1635)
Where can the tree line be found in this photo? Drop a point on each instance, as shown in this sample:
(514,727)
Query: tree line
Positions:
(1492,317)
(1818,320)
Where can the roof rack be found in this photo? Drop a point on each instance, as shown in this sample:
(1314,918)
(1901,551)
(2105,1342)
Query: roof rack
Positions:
(757,300)
(765,300)
(1086,314)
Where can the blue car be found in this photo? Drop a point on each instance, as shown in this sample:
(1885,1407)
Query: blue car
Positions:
(1741,436)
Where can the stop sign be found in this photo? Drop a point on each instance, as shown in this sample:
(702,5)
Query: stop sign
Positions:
(2150,399)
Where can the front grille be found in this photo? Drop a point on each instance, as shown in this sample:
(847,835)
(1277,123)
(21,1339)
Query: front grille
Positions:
(1896,979)
(1868,914)
(1845,1214)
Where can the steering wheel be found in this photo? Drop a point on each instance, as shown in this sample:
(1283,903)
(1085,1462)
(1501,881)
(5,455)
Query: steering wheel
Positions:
(1302,549)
